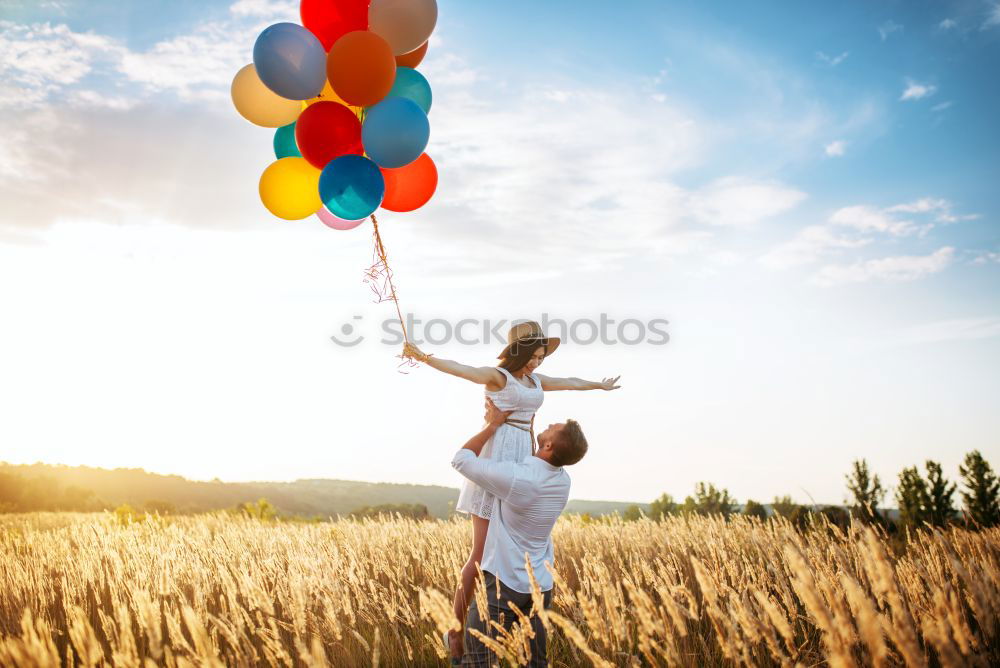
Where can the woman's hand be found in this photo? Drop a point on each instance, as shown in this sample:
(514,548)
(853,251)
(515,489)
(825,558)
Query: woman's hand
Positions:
(609,383)
(494,416)
(411,351)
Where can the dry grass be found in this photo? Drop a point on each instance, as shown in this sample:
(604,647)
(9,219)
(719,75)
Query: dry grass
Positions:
(80,589)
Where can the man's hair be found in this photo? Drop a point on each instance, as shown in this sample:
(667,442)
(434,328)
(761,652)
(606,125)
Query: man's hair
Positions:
(570,445)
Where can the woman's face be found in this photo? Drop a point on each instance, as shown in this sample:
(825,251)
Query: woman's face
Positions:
(535,360)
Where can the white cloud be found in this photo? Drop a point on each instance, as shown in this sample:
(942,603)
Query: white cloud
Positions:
(742,202)
(270,9)
(987,257)
(200,65)
(940,207)
(888,28)
(832,61)
(922,205)
(941,106)
(917,91)
(39,60)
(869,219)
(811,243)
(863,224)
(993,18)
(957,329)
(948,24)
(835,148)
(92,98)
(892,269)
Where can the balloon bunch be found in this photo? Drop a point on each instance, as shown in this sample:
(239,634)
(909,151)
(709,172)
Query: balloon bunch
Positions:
(349,107)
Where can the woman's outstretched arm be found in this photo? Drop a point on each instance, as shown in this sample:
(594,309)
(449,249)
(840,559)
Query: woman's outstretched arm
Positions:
(550,384)
(483,375)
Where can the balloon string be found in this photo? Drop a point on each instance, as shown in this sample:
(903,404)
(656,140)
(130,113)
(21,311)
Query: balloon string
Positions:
(379,279)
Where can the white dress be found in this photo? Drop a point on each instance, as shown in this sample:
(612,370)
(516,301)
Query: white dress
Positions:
(509,442)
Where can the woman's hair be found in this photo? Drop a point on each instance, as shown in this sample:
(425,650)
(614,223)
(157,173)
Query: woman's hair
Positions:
(519,355)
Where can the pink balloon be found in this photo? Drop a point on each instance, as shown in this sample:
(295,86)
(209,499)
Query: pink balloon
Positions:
(331,220)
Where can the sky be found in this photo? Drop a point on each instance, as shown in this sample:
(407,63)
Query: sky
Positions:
(806,194)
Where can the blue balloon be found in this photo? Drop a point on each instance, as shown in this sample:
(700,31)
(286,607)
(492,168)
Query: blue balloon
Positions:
(351,187)
(395,132)
(284,142)
(412,85)
(290,61)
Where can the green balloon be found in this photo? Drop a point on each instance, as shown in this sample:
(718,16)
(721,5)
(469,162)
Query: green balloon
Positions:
(284,142)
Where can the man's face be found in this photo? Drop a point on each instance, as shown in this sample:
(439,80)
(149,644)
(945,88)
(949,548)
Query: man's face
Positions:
(551,433)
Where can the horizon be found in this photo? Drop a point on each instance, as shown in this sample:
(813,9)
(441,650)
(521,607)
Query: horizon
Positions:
(679,498)
(812,209)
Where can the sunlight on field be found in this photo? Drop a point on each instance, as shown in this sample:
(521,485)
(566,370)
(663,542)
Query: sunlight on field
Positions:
(79,589)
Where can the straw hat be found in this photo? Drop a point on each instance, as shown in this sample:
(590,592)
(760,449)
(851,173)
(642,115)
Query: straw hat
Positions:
(528,332)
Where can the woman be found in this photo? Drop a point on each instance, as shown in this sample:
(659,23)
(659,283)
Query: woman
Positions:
(514,386)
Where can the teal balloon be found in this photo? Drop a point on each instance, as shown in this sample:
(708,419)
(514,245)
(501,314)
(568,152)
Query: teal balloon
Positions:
(351,187)
(412,85)
(284,142)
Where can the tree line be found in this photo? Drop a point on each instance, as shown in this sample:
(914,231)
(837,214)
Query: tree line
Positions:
(922,500)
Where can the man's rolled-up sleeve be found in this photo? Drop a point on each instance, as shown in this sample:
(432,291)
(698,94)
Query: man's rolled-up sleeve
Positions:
(493,476)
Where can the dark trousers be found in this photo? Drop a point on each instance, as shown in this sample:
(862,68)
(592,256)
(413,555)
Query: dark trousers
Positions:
(476,653)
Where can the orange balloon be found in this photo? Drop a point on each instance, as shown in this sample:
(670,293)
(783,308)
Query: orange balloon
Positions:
(361,68)
(410,187)
(413,58)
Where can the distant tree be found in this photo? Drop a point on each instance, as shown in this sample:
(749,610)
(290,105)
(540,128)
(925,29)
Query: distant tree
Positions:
(754,509)
(982,490)
(940,509)
(262,510)
(662,507)
(867,491)
(77,498)
(912,498)
(708,500)
(126,514)
(159,507)
(417,511)
(836,516)
(801,517)
(632,513)
(783,506)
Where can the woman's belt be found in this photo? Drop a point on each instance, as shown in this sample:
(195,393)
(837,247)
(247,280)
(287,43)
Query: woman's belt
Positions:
(520,424)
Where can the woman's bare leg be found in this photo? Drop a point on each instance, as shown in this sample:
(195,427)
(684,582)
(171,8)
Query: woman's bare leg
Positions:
(470,573)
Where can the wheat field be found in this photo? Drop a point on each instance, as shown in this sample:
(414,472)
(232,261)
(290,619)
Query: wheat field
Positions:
(86,589)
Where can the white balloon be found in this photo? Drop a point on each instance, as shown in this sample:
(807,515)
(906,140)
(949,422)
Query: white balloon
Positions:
(405,24)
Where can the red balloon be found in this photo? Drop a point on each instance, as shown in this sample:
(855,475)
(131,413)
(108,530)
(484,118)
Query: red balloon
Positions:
(330,19)
(410,187)
(327,130)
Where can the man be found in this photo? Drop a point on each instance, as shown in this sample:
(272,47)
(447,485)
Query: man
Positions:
(530,497)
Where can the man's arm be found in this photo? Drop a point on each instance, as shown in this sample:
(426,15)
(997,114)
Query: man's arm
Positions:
(494,418)
(493,476)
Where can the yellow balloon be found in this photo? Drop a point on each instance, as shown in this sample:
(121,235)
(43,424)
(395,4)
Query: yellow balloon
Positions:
(325,95)
(329,95)
(289,188)
(259,104)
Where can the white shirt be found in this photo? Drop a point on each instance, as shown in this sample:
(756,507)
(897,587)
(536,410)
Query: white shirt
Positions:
(530,497)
